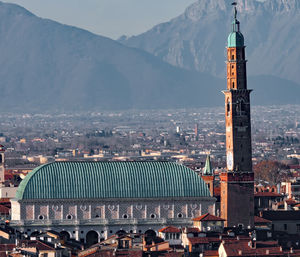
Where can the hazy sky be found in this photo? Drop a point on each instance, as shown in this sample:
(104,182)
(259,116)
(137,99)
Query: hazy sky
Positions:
(111,18)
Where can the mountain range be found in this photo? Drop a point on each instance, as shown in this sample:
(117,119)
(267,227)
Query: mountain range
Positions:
(48,66)
(196,39)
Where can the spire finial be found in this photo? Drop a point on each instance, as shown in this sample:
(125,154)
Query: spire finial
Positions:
(235,23)
(235,10)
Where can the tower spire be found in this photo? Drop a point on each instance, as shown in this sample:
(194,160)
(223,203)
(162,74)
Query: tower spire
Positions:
(208,168)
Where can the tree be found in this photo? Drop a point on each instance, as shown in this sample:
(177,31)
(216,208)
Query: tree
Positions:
(271,171)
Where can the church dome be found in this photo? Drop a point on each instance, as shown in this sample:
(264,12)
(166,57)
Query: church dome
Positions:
(99,180)
(235,39)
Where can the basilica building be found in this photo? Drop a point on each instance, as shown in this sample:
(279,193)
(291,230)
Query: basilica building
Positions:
(98,199)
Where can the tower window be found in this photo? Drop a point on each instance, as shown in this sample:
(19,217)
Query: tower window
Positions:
(243,107)
(233,84)
(232,57)
(228,107)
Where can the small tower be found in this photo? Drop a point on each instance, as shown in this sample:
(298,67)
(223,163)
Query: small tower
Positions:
(2,169)
(237,184)
(208,175)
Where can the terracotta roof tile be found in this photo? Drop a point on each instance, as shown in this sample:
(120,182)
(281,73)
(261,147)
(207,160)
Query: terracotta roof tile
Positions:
(192,230)
(211,253)
(242,248)
(267,194)
(6,247)
(208,217)
(198,240)
(170,229)
(259,220)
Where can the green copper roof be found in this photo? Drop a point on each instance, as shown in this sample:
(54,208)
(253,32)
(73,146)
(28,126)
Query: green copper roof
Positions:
(73,180)
(235,39)
(207,169)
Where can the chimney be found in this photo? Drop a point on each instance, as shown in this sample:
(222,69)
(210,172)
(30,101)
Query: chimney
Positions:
(267,252)
(291,250)
(240,252)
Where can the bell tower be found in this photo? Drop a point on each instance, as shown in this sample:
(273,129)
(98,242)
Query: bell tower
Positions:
(237,184)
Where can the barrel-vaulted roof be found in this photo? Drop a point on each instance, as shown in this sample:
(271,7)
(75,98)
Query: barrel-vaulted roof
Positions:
(86,180)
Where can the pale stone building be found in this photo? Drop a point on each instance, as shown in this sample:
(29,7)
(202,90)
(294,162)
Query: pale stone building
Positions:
(90,201)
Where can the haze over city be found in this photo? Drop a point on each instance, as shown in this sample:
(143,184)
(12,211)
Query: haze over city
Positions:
(150,128)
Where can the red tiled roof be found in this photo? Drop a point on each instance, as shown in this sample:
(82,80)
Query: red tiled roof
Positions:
(293,253)
(4,209)
(242,248)
(170,229)
(37,244)
(211,253)
(260,220)
(203,240)
(208,217)
(198,240)
(192,230)
(267,194)
(7,247)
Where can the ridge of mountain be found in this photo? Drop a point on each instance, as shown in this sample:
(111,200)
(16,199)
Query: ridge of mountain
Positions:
(196,40)
(48,66)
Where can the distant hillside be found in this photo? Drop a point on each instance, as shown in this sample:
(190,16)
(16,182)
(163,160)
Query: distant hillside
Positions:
(196,39)
(47,66)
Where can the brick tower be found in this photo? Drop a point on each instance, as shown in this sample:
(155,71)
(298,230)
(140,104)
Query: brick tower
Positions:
(237,184)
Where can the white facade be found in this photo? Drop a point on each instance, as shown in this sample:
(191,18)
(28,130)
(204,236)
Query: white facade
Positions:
(106,216)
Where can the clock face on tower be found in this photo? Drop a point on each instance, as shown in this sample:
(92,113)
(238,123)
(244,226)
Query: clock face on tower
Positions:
(229,161)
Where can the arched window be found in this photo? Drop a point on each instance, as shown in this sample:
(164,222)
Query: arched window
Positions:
(69,217)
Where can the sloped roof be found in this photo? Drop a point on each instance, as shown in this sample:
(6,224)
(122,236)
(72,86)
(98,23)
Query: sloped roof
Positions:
(260,220)
(170,229)
(242,248)
(84,180)
(208,217)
